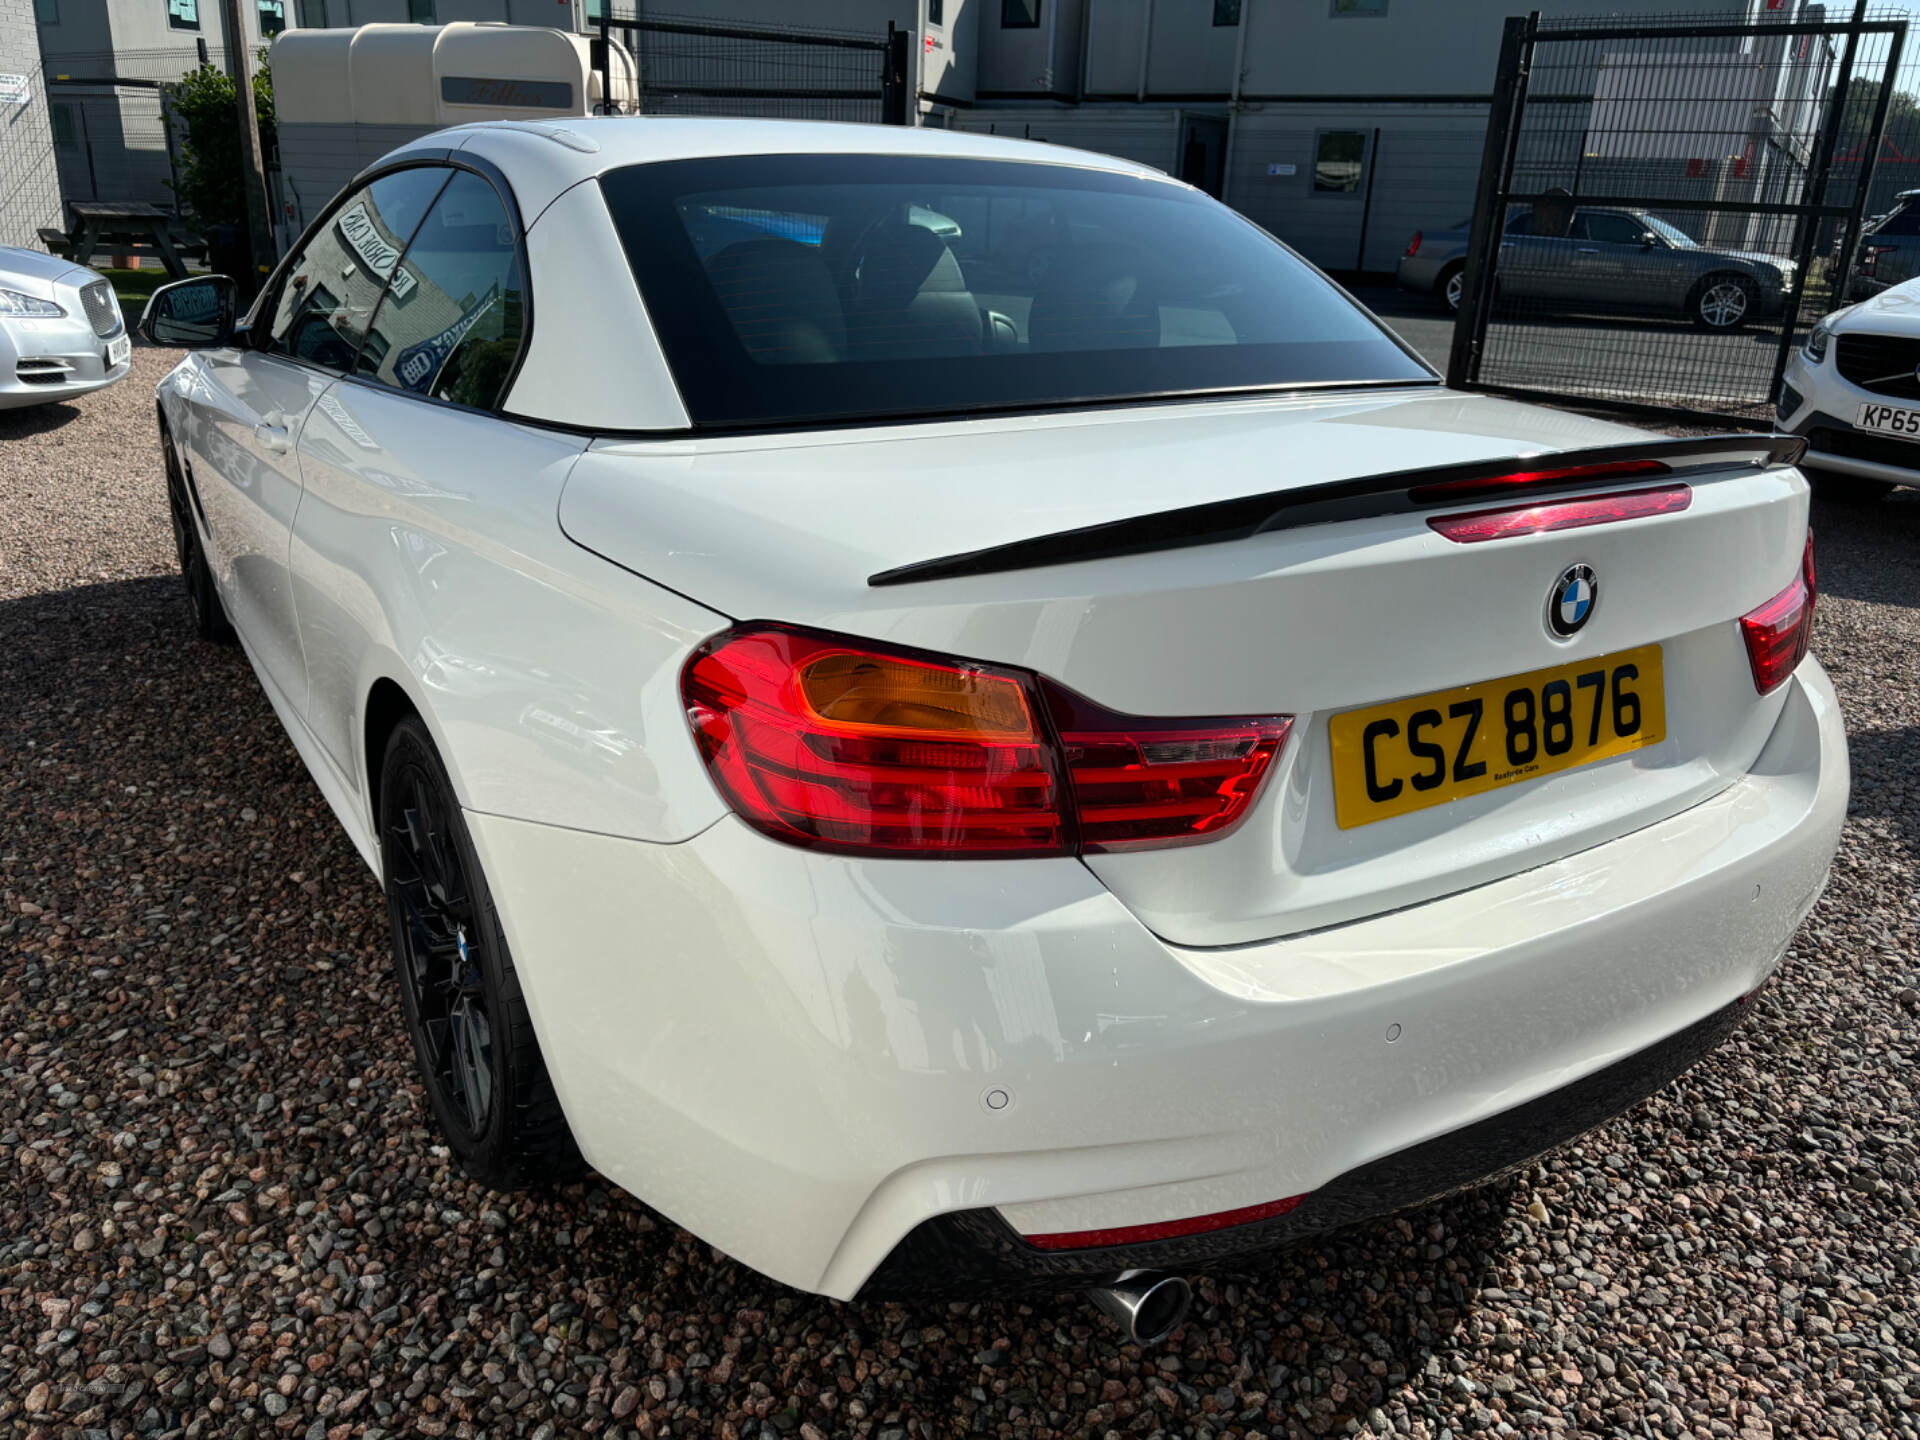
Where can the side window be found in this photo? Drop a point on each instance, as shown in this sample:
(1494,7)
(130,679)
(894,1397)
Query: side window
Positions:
(1904,221)
(453,333)
(1609,227)
(328,295)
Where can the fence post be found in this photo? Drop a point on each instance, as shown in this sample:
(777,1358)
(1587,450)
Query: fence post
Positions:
(1816,192)
(1489,200)
(1870,158)
(606,60)
(893,78)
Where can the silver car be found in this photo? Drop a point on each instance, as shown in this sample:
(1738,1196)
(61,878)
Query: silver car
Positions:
(61,332)
(1616,260)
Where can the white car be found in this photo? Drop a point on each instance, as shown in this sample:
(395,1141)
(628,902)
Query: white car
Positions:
(1853,391)
(951,715)
(61,333)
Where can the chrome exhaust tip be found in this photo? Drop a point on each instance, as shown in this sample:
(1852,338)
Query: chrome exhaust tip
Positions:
(1146,1304)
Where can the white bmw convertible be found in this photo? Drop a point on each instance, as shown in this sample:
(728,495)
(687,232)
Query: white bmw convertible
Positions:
(951,715)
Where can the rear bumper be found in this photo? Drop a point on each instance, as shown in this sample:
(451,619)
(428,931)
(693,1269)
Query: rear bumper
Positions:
(976,1250)
(807,1058)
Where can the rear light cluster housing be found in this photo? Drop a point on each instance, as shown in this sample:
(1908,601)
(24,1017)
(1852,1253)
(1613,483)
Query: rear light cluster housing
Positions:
(829,742)
(1777,633)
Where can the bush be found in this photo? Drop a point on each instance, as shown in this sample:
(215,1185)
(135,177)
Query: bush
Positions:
(212,189)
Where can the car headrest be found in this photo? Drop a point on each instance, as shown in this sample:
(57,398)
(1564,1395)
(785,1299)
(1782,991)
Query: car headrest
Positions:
(1100,297)
(782,301)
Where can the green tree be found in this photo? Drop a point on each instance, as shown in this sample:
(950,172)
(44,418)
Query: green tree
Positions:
(1856,122)
(212,189)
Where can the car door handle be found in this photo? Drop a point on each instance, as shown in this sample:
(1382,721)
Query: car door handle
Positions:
(272,438)
(1586,250)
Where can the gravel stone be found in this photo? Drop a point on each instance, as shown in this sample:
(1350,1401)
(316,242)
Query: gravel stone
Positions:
(224,1211)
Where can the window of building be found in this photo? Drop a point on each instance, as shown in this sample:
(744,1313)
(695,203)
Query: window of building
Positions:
(273,18)
(46,12)
(936,12)
(1226,12)
(1344,9)
(65,132)
(1339,160)
(420,12)
(183,14)
(1019,14)
(455,334)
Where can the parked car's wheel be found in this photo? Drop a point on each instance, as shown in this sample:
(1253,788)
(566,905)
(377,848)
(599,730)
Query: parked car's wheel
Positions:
(1453,286)
(465,1012)
(1847,489)
(209,616)
(1721,302)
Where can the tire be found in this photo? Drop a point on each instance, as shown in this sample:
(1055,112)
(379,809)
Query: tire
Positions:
(210,617)
(465,1012)
(1848,489)
(1721,303)
(1451,287)
(210,621)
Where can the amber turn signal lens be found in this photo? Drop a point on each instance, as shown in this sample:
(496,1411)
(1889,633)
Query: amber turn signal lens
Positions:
(878,694)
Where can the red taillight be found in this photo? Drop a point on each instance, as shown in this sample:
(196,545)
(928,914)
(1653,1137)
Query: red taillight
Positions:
(1162,1230)
(1413,245)
(1778,631)
(1467,489)
(818,740)
(1574,513)
(1140,781)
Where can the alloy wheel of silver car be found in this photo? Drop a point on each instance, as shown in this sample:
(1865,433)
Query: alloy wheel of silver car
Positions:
(1455,289)
(1722,304)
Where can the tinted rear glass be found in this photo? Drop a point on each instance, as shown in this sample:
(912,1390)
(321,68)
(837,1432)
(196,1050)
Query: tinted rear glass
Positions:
(802,289)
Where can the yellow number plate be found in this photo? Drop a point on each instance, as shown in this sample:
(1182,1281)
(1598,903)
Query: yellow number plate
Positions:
(1410,754)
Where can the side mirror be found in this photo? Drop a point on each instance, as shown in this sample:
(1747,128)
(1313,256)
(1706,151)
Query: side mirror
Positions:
(197,313)
(1650,241)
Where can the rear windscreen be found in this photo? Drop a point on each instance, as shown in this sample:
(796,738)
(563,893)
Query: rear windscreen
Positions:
(801,289)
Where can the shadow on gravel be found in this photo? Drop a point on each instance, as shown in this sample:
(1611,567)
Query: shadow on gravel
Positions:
(1887,753)
(1869,551)
(36,420)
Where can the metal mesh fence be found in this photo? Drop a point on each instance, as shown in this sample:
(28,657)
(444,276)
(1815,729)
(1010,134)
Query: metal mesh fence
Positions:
(1672,189)
(685,65)
(29,175)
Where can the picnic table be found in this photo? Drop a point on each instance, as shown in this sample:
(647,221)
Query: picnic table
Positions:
(93,220)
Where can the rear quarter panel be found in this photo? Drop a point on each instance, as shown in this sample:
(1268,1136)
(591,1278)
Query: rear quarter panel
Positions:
(427,551)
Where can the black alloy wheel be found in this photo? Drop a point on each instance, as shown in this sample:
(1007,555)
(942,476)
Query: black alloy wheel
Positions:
(466,1015)
(209,616)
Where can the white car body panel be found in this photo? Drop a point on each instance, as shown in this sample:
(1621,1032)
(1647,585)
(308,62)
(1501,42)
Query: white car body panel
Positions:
(835,1097)
(789,1050)
(1230,630)
(1826,392)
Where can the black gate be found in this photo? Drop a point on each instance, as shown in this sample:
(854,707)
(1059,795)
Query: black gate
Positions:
(1664,205)
(672,65)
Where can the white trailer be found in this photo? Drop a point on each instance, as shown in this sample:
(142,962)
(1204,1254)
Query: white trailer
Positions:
(343,98)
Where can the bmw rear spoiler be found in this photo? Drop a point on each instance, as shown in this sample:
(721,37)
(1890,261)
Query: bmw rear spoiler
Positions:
(1392,493)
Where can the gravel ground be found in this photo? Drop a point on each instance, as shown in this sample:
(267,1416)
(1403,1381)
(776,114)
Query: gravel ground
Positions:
(222,1210)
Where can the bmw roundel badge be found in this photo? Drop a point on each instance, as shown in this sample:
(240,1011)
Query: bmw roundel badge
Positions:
(1571,600)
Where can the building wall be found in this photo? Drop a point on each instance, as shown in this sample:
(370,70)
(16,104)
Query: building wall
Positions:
(1146,133)
(1423,163)
(1043,60)
(1187,55)
(29,175)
